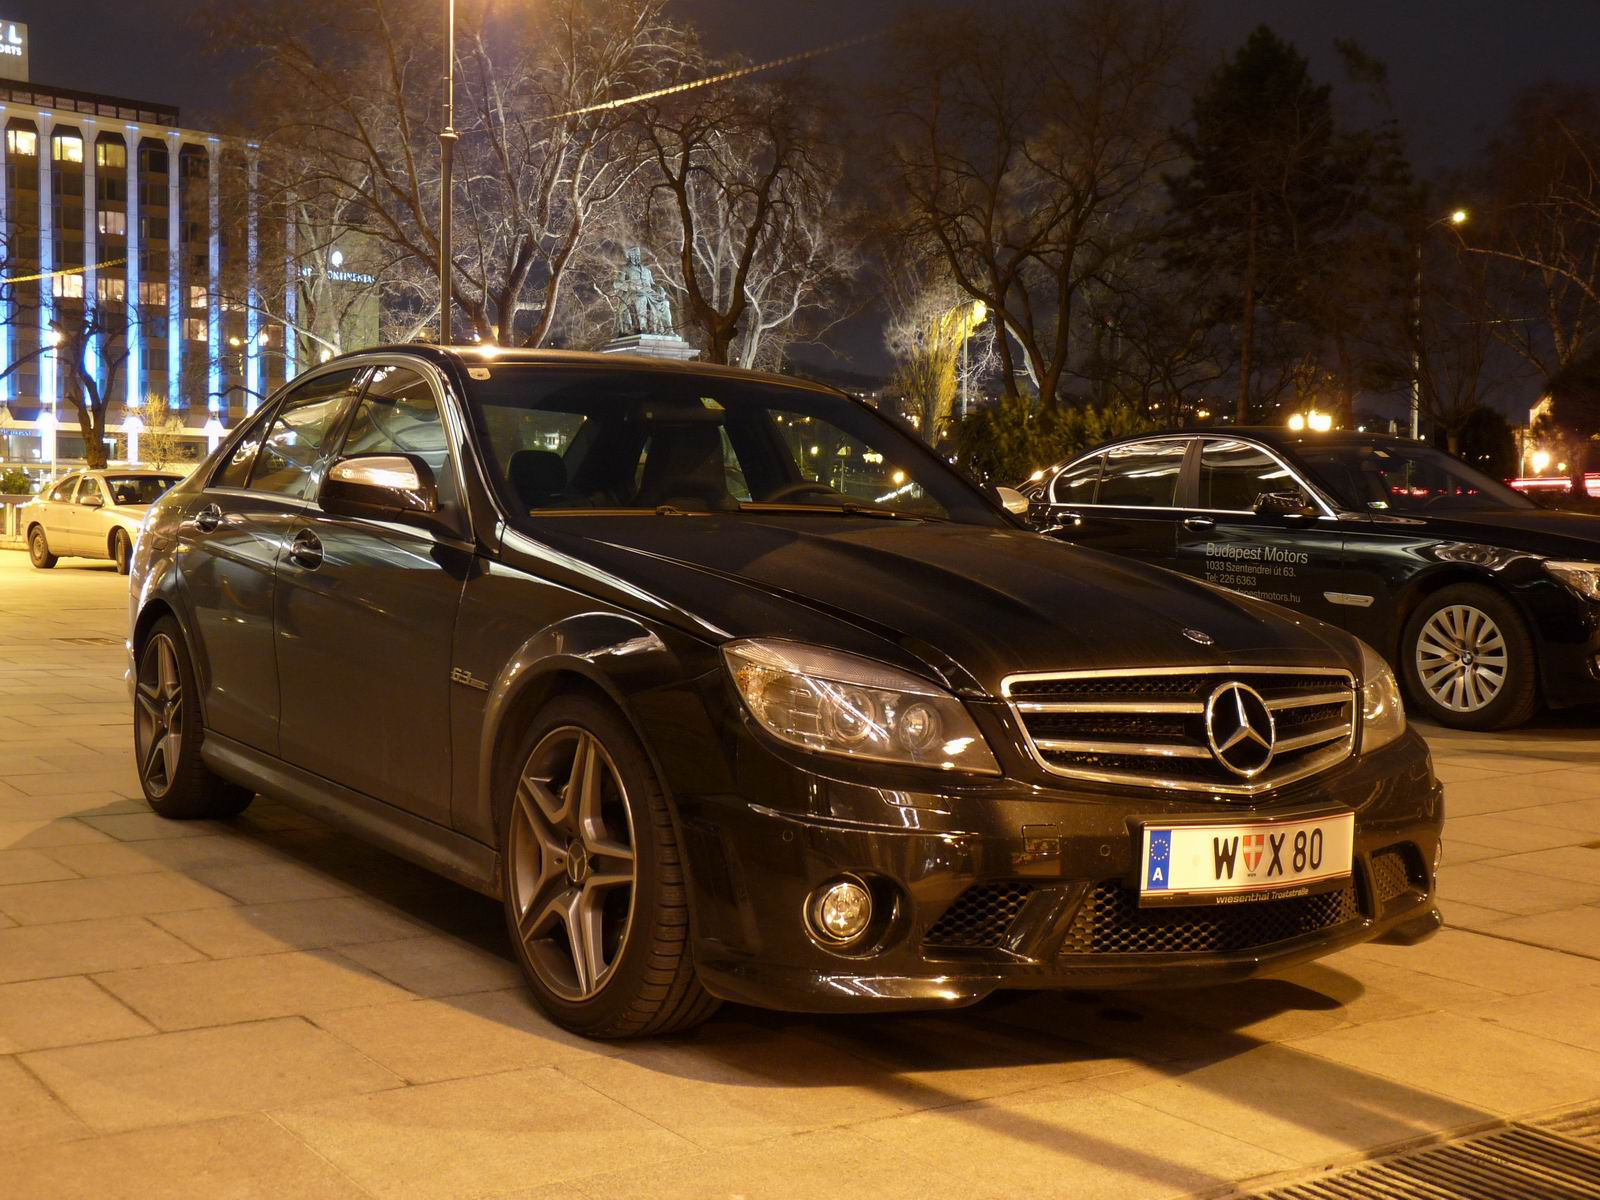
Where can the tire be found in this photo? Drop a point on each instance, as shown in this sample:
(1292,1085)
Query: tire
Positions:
(167,732)
(39,549)
(121,551)
(562,867)
(1469,661)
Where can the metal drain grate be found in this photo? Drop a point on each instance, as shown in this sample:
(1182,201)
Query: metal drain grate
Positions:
(1581,1126)
(1513,1162)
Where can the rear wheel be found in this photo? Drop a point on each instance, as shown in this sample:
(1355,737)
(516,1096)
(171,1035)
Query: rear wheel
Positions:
(1469,660)
(167,732)
(593,881)
(39,549)
(121,550)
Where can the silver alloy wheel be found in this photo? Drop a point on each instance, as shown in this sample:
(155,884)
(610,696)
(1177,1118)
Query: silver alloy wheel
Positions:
(1461,658)
(158,714)
(572,863)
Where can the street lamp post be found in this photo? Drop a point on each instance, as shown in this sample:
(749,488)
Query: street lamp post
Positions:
(1456,217)
(447,147)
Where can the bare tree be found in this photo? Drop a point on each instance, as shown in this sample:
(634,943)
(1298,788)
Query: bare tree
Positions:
(931,321)
(163,442)
(350,95)
(1540,227)
(1019,141)
(744,202)
(92,347)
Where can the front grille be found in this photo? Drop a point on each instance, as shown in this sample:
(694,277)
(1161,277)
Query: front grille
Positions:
(1110,921)
(1396,871)
(982,916)
(1149,728)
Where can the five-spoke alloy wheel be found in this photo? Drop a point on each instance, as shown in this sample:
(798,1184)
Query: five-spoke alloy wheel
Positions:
(158,715)
(168,730)
(572,863)
(592,878)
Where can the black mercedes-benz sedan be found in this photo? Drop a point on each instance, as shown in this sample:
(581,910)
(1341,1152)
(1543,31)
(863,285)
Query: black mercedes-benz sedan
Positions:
(1487,604)
(729,688)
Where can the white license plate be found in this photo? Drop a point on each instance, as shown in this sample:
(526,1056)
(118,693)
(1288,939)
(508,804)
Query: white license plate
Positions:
(1239,860)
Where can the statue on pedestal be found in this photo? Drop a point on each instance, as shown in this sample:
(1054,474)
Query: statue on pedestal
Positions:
(644,314)
(643,306)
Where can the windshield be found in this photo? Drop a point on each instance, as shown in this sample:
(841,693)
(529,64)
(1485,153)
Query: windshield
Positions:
(1402,478)
(139,489)
(564,442)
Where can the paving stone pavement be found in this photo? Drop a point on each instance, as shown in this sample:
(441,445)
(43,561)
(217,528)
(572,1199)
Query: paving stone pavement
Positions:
(268,1008)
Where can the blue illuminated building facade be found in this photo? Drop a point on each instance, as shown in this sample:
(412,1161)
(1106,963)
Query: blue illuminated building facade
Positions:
(111,203)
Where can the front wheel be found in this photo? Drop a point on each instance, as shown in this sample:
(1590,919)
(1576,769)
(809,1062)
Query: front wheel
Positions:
(121,551)
(167,731)
(593,880)
(39,549)
(1469,660)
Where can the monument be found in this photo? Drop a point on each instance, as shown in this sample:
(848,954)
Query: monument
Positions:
(644,314)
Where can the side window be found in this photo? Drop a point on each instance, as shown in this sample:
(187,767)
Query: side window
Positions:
(1076,484)
(1234,475)
(293,448)
(63,490)
(399,414)
(235,469)
(1143,475)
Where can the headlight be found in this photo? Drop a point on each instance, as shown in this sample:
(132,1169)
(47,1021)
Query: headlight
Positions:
(1383,714)
(836,703)
(1581,577)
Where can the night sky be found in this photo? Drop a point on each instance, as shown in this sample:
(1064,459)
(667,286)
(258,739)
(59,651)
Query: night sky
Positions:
(1453,66)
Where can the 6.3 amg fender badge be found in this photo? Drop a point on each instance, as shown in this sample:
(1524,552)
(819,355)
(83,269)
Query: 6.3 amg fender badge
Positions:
(1240,729)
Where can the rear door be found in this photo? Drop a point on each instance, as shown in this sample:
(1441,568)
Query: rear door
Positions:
(1290,559)
(58,514)
(1124,500)
(232,539)
(366,611)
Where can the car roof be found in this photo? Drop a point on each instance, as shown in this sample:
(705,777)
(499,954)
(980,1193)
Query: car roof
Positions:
(163,472)
(479,355)
(1275,436)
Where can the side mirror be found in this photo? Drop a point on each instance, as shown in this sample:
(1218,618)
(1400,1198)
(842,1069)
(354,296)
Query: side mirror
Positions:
(1013,501)
(1283,504)
(380,485)
(92,502)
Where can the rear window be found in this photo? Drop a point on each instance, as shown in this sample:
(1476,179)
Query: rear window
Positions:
(139,489)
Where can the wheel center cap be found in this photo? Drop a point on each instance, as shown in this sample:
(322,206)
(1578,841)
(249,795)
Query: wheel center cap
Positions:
(577,863)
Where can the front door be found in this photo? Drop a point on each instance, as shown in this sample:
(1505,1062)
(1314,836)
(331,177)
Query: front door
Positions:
(232,537)
(366,612)
(1229,537)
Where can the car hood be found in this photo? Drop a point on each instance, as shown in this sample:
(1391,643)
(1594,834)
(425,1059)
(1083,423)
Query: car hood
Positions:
(974,604)
(1542,531)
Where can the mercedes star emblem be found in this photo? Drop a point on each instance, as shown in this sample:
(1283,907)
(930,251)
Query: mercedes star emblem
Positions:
(1240,729)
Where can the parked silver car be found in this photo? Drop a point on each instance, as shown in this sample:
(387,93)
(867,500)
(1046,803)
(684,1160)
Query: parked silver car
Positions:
(92,514)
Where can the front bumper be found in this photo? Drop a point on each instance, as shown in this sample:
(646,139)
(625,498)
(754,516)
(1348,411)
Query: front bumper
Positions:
(1048,876)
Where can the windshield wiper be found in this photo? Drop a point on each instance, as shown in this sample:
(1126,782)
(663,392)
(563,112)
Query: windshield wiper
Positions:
(848,509)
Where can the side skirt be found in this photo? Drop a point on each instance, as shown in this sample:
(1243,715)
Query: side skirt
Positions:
(442,851)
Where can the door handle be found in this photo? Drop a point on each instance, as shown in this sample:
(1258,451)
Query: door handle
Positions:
(208,518)
(306,550)
(1072,519)
(1199,524)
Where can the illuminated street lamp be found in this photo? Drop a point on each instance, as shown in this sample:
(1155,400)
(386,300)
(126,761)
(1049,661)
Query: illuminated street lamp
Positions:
(447,150)
(1457,217)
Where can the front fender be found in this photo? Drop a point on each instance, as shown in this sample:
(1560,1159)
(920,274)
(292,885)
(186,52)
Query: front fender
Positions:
(638,667)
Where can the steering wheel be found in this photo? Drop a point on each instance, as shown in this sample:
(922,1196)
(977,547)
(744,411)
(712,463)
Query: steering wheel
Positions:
(801,487)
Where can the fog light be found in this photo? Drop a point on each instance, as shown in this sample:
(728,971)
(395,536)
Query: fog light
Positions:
(841,911)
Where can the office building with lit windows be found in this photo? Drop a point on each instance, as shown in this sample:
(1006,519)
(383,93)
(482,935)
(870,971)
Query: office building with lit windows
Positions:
(111,206)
